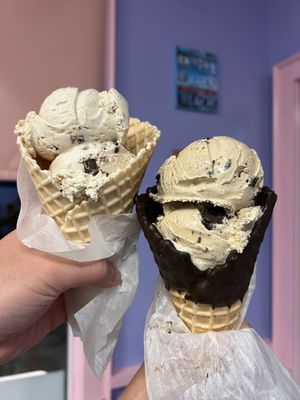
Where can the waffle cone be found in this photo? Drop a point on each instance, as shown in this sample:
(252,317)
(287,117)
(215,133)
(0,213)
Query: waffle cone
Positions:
(200,318)
(116,196)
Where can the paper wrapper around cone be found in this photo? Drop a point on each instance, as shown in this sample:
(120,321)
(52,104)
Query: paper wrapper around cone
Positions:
(233,364)
(116,196)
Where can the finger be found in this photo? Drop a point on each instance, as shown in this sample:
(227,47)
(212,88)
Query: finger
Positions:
(100,274)
(136,389)
(245,324)
(23,341)
(58,274)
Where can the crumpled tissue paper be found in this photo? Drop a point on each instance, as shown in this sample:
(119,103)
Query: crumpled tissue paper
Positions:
(95,315)
(228,365)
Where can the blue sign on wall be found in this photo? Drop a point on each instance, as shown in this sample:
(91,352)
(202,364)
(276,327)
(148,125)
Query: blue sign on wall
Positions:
(196,80)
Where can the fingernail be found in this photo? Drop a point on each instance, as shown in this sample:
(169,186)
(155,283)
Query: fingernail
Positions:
(113,277)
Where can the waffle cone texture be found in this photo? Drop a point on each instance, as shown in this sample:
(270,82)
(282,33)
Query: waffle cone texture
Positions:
(201,318)
(115,197)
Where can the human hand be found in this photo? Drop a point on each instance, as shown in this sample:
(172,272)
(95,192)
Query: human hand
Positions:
(136,389)
(32,284)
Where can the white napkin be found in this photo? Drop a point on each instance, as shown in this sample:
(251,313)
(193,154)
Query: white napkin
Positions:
(228,365)
(95,315)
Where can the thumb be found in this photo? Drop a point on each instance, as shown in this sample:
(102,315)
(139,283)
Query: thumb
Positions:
(101,274)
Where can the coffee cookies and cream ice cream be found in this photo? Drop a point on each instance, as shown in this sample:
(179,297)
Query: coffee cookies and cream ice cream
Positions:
(205,221)
(220,170)
(208,194)
(85,156)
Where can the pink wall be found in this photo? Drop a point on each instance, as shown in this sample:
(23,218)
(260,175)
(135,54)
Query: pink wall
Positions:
(45,45)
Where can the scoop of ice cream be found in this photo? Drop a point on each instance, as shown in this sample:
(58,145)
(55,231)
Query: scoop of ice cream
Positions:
(84,168)
(221,170)
(68,116)
(206,232)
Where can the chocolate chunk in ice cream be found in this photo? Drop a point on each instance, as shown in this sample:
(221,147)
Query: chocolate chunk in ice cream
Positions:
(90,166)
(211,214)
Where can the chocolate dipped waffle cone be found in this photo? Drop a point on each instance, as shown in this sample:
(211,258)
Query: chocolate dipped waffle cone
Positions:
(116,196)
(210,299)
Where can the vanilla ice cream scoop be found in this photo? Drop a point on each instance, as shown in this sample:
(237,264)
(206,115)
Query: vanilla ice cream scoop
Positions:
(221,170)
(68,117)
(84,168)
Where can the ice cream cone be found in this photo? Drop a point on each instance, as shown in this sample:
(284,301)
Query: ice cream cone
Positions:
(211,299)
(116,196)
(201,318)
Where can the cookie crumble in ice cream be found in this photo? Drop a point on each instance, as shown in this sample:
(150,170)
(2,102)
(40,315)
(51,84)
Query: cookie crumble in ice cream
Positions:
(88,166)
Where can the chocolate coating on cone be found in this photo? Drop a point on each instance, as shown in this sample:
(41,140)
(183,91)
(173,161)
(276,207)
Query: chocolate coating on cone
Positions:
(220,286)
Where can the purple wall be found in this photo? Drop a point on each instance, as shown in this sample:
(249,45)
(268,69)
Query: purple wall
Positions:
(147,33)
(284,29)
